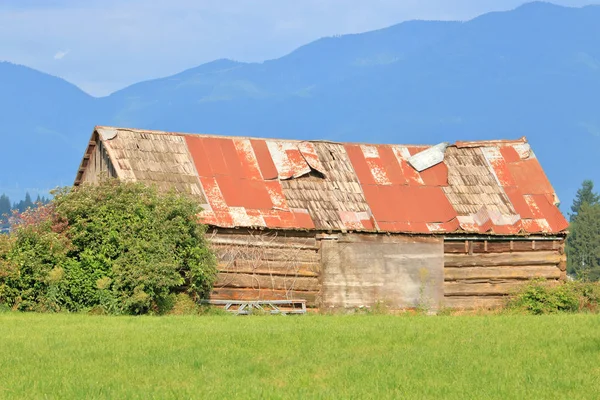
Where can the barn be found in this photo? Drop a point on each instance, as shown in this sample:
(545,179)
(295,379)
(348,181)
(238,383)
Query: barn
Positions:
(344,225)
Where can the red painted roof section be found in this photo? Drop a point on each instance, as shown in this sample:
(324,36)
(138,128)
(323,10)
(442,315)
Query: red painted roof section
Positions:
(242,181)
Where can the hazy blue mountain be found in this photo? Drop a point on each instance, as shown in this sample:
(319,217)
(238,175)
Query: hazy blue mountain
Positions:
(533,71)
(44,125)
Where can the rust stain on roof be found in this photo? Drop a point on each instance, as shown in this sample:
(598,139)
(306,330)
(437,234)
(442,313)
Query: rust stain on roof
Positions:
(488,187)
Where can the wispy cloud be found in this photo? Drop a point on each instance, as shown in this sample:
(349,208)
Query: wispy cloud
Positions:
(61,54)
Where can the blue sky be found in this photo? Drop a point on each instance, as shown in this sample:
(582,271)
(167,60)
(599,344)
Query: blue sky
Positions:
(104,45)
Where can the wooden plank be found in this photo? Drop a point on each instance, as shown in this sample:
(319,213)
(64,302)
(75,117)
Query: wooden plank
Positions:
(482,288)
(379,238)
(498,247)
(264,294)
(261,270)
(497,259)
(270,267)
(503,272)
(280,236)
(241,241)
(265,253)
(474,302)
(267,282)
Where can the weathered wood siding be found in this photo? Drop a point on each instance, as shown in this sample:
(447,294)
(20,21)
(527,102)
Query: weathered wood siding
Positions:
(98,164)
(255,265)
(481,274)
(401,271)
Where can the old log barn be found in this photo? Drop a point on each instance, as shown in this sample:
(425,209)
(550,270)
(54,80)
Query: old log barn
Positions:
(348,225)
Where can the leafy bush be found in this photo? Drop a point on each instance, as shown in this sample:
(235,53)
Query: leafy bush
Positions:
(541,297)
(113,248)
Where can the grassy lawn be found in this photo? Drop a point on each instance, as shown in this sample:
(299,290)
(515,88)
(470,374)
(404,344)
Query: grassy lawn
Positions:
(467,357)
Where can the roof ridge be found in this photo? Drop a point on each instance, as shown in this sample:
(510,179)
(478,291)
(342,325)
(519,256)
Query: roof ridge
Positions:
(458,144)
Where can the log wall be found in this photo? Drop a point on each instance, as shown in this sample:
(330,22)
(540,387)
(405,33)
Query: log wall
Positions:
(481,273)
(255,265)
(349,270)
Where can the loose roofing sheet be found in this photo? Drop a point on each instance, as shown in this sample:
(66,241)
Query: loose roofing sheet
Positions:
(492,187)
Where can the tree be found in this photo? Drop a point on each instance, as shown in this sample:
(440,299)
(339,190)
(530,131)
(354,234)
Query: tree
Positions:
(4,206)
(583,242)
(117,247)
(584,195)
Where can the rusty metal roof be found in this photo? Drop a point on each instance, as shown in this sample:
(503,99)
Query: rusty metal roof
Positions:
(488,187)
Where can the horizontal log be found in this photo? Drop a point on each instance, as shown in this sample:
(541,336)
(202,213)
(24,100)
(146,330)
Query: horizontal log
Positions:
(379,238)
(562,265)
(474,302)
(264,294)
(502,246)
(266,253)
(267,282)
(498,259)
(263,233)
(481,288)
(504,272)
(563,275)
(241,241)
(270,267)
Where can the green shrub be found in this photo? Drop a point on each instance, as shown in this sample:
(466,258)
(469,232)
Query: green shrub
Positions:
(541,297)
(122,248)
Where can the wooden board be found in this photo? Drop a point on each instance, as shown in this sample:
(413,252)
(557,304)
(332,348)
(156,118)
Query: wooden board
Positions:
(266,270)
(379,238)
(503,246)
(483,288)
(474,302)
(267,282)
(270,254)
(498,259)
(264,294)
(264,240)
(504,272)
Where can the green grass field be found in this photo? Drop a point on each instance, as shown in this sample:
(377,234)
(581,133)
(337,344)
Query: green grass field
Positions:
(467,357)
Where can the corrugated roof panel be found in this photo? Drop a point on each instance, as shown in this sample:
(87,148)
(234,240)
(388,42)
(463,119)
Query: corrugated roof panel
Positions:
(529,177)
(518,201)
(551,214)
(411,175)
(392,166)
(287,159)
(198,153)
(276,194)
(495,187)
(510,154)
(310,155)
(214,155)
(362,169)
(248,159)
(213,193)
(303,219)
(436,175)
(264,160)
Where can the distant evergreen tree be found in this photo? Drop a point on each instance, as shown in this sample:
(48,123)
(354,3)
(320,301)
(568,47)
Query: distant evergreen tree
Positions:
(4,204)
(584,195)
(4,212)
(583,242)
(28,202)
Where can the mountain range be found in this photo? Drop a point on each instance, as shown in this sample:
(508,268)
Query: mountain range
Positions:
(533,71)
